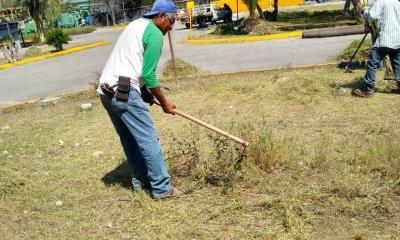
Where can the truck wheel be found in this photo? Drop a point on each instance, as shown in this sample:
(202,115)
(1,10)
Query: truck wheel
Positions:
(187,25)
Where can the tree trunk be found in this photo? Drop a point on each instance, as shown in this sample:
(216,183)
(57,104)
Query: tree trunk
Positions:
(260,12)
(274,16)
(358,7)
(110,6)
(34,10)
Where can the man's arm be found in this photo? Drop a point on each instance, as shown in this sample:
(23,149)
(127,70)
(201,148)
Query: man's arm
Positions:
(374,12)
(167,106)
(152,41)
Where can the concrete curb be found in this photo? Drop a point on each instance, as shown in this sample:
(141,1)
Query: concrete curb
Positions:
(246,39)
(55,54)
(71,93)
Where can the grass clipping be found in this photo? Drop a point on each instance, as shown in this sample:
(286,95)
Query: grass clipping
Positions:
(183,69)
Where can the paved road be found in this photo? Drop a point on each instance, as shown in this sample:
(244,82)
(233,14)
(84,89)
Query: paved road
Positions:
(75,71)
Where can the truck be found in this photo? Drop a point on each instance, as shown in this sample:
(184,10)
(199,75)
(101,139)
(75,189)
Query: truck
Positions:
(204,14)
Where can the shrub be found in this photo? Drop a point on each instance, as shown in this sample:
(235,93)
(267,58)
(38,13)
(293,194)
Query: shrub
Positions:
(57,38)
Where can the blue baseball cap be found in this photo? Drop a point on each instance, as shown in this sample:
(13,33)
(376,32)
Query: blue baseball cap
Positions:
(160,6)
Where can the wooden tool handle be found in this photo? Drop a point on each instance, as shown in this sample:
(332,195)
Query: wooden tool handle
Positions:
(206,125)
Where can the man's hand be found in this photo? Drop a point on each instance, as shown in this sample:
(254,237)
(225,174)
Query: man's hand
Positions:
(168,107)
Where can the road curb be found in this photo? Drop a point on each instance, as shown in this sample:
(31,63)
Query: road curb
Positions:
(71,93)
(55,54)
(246,39)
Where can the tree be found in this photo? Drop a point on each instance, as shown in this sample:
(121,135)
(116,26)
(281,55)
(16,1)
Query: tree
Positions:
(43,11)
(252,6)
(111,5)
(274,16)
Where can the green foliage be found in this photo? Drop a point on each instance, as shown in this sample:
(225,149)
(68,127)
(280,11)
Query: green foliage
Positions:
(48,9)
(57,38)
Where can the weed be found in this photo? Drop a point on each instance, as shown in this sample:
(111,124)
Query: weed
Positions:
(265,151)
(184,157)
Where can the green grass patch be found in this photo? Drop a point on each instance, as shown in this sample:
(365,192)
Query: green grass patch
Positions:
(79,30)
(319,165)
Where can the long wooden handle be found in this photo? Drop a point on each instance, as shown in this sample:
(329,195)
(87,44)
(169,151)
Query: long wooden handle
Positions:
(206,125)
(171,47)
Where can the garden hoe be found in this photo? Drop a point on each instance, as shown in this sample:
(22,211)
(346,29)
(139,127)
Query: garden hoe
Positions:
(193,119)
(206,125)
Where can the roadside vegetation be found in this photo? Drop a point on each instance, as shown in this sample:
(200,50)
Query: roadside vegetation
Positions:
(291,19)
(54,37)
(320,164)
(33,39)
(362,53)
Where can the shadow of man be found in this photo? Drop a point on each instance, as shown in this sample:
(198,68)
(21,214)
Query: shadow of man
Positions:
(121,176)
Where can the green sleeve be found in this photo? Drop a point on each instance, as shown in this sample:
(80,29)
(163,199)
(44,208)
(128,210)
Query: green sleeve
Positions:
(152,43)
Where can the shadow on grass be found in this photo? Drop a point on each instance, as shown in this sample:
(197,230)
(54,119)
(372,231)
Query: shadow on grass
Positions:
(358,83)
(355,65)
(121,176)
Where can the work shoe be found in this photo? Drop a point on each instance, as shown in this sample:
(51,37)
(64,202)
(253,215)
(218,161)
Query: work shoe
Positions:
(174,193)
(362,94)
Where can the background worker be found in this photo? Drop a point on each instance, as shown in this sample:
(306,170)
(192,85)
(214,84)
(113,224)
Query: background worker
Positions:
(386,13)
(132,65)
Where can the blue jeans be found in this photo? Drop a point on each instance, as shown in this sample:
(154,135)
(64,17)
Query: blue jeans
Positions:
(140,142)
(376,56)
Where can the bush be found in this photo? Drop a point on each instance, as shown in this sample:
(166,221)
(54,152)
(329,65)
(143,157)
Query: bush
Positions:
(57,38)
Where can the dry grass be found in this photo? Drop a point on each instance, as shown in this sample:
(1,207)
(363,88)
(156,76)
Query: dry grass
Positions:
(32,51)
(362,53)
(319,166)
(183,69)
